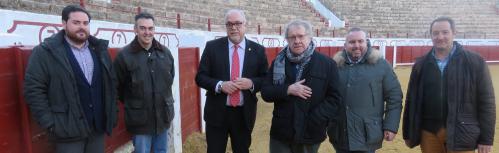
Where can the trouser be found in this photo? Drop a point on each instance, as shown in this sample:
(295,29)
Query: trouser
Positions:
(92,144)
(277,146)
(338,150)
(235,127)
(143,143)
(435,143)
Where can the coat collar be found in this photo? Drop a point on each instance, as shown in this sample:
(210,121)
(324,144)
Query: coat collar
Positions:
(136,47)
(53,45)
(457,52)
(373,55)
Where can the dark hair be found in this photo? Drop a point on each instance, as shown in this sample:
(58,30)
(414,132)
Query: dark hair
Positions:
(73,8)
(356,29)
(444,18)
(144,15)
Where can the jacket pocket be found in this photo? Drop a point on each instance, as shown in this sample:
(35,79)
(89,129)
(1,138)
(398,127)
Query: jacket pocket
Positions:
(374,131)
(466,134)
(356,129)
(137,83)
(170,111)
(64,126)
(315,129)
(135,113)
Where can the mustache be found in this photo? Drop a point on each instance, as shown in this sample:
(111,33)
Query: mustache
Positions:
(81,30)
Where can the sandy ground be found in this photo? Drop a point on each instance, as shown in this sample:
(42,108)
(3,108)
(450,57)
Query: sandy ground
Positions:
(196,143)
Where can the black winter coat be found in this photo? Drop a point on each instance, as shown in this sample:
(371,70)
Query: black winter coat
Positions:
(145,81)
(51,91)
(296,120)
(470,101)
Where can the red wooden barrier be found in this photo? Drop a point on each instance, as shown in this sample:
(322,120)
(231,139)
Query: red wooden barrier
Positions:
(271,53)
(190,107)
(12,130)
(19,132)
(405,54)
(324,50)
(389,54)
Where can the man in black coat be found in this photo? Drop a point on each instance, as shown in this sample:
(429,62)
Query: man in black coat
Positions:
(70,88)
(450,104)
(231,70)
(145,72)
(302,84)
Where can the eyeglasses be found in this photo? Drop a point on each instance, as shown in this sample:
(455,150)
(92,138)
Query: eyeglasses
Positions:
(296,37)
(236,24)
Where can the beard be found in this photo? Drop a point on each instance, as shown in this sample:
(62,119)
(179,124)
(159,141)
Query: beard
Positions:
(76,37)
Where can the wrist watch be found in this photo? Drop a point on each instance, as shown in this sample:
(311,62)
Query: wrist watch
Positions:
(219,86)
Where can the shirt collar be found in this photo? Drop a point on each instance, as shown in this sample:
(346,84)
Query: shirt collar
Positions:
(448,56)
(242,44)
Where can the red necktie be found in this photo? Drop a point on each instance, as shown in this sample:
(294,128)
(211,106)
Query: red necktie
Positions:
(235,97)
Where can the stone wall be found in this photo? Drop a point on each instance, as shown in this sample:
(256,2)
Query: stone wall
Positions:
(402,18)
(382,18)
(194,14)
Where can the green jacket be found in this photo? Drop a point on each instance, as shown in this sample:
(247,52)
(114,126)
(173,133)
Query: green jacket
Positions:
(51,91)
(372,102)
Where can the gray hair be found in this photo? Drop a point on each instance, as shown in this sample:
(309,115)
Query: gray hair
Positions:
(240,12)
(296,23)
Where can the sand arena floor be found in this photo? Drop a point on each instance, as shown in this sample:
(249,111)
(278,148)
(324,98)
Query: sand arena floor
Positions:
(196,143)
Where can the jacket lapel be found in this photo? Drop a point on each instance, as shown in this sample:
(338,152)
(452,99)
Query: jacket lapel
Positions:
(100,50)
(248,54)
(225,58)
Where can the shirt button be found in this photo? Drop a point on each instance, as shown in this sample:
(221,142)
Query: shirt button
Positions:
(90,105)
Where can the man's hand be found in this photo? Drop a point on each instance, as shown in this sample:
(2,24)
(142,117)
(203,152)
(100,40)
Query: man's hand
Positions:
(389,135)
(300,90)
(243,83)
(229,87)
(484,148)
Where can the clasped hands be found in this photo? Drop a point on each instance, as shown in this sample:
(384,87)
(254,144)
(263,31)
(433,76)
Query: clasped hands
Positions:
(230,87)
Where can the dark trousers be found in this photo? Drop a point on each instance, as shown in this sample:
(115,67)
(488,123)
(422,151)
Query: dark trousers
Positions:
(338,150)
(91,144)
(276,146)
(235,127)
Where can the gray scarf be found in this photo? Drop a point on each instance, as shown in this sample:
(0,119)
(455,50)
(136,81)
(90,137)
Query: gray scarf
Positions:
(302,60)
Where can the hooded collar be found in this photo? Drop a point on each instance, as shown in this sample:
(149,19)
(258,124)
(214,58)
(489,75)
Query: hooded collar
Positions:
(371,57)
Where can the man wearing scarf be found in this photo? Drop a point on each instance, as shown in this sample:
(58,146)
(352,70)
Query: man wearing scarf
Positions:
(302,85)
(372,98)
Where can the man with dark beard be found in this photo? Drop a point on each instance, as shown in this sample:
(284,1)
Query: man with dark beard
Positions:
(372,97)
(69,86)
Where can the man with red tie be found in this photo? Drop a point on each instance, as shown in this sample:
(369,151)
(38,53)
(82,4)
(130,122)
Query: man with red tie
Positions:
(231,70)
